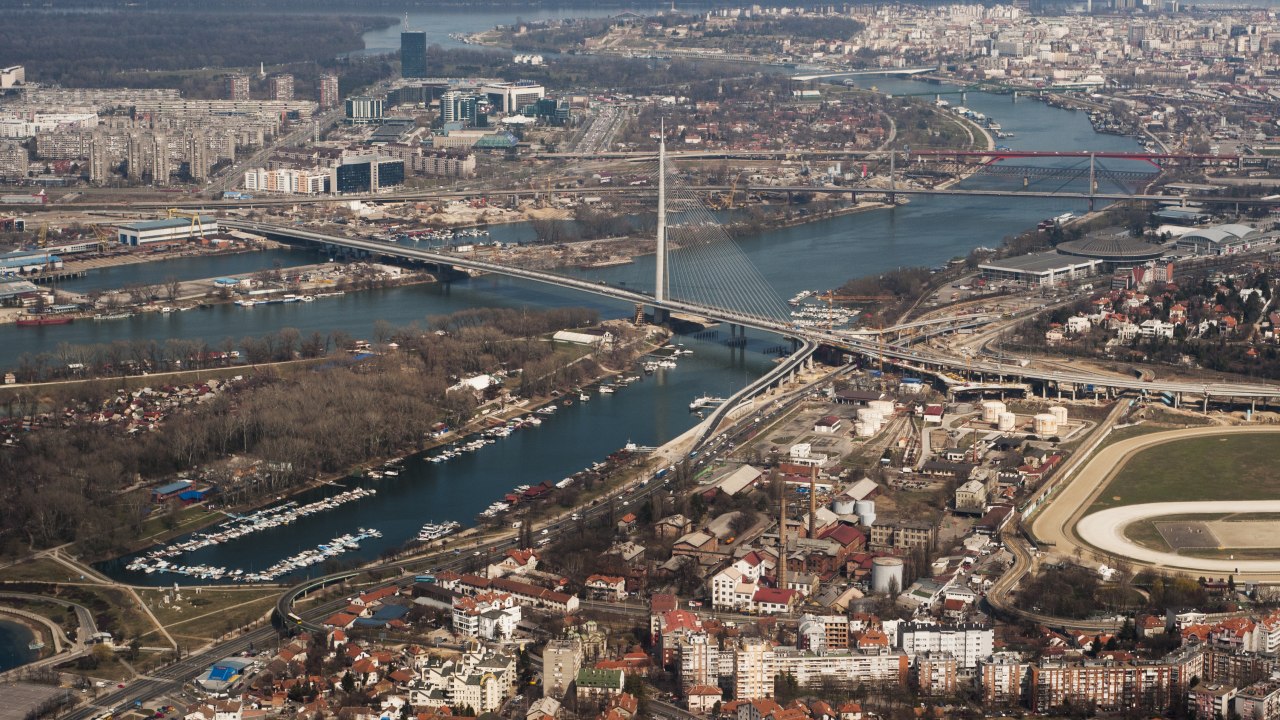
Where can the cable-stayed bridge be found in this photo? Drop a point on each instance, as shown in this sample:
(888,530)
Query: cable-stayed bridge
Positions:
(700,271)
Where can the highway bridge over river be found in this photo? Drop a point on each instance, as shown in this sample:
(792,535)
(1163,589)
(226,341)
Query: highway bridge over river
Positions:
(868,345)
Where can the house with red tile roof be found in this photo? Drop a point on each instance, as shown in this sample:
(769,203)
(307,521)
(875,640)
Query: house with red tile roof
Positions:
(701,698)
(606,587)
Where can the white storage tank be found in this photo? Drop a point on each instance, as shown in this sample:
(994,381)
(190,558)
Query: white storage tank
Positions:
(1060,413)
(991,410)
(866,428)
(1006,421)
(1044,424)
(886,573)
(866,510)
(884,407)
(844,505)
(869,414)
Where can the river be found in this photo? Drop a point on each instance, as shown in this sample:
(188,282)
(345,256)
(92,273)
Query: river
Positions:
(927,231)
(13,645)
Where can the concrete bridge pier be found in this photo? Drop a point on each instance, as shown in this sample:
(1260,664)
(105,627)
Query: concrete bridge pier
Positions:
(1206,402)
(661,316)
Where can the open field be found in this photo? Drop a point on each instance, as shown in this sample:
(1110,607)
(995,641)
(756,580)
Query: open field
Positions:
(1229,467)
(39,570)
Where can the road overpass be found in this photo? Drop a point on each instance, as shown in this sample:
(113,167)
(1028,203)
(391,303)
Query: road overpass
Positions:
(906,72)
(524,192)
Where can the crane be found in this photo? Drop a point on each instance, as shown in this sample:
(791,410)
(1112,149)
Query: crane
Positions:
(104,237)
(196,229)
(42,237)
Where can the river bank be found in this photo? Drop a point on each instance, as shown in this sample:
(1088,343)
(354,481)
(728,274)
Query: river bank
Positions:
(495,413)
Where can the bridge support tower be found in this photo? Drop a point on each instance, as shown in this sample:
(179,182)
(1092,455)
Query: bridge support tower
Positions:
(660,314)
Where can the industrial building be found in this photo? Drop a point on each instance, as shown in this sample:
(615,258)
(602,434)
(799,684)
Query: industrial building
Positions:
(1219,240)
(28,262)
(178,228)
(223,675)
(1038,269)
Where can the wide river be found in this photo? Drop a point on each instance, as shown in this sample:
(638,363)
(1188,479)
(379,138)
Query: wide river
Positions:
(927,231)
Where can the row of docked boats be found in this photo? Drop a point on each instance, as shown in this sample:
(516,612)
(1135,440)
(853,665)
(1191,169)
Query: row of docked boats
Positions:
(306,558)
(435,531)
(486,437)
(241,525)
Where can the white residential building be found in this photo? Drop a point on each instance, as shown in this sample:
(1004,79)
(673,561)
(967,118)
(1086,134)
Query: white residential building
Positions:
(968,643)
(757,663)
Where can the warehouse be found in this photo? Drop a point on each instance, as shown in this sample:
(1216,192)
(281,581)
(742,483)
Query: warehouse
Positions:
(1038,269)
(29,262)
(151,231)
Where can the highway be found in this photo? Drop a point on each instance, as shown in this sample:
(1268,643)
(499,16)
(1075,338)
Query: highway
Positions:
(852,341)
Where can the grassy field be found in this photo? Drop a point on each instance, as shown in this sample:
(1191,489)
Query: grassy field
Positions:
(42,570)
(1144,533)
(1210,468)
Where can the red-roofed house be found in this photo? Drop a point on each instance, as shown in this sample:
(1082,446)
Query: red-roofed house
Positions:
(701,698)
(606,587)
(342,621)
(771,601)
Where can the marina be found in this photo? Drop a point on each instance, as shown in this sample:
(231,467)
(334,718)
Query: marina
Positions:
(240,526)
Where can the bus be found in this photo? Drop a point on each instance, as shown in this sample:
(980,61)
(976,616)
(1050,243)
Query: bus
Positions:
(428,579)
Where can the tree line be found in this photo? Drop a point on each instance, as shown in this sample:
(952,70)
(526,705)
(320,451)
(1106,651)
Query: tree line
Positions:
(84,482)
(137,47)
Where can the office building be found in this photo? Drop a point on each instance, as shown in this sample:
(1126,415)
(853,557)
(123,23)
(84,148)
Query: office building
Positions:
(329,93)
(458,107)
(238,87)
(365,110)
(413,54)
(366,174)
(12,76)
(513,97)
(280,87)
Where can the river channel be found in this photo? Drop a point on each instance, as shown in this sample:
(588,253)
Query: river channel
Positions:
(819,255)
(14,638)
